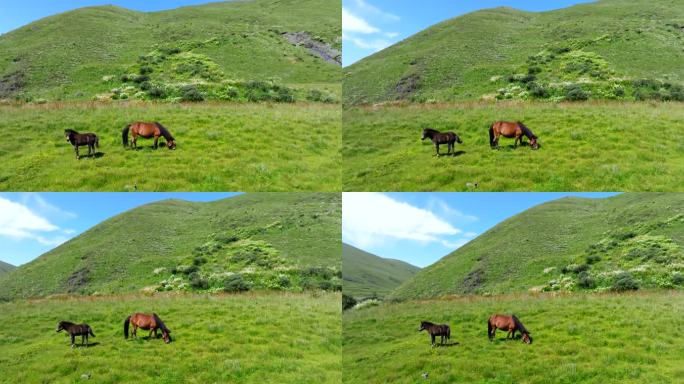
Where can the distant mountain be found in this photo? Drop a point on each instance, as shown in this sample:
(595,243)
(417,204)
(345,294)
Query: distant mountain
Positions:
(364,274)
(226,50)
(608,49)
(567,244)
(5,268)
(282,241)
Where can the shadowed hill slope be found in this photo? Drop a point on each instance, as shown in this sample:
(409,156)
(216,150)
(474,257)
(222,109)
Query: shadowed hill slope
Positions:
(365,274)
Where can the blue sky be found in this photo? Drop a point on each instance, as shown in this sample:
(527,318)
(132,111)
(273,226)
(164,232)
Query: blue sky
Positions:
(369,26)
(33,223)
(421,228)
(17,13)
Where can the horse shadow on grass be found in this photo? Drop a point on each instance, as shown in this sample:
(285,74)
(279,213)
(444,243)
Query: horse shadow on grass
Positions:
(446,345)
(453,154)
(90,345)
(95,155)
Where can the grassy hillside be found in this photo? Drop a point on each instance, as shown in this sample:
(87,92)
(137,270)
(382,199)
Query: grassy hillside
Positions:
(610,49)
(364,274)
(221,147)
(629,241)
(232,50)
(593,146)
(5,268)
(265,338)
(261,241)
(604,338)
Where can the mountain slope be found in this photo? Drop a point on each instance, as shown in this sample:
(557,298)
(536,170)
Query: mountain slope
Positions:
(263,240)
(599,48)
(85,52)
(5,268)
(364,274)
(567,244)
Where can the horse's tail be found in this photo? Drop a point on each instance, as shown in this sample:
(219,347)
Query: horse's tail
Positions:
(126,322)
(90,330)
(124,135)
(491,135)
(97,142)
(448,332)
(489,328)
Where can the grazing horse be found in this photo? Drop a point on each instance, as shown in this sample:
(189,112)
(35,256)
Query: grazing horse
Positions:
(509,129)
(80,139)
(507,323)
(145,321)
(74,330)
(147,130)
(438,138)
(441,330)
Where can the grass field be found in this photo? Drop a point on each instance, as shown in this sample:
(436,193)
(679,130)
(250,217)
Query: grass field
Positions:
(592,146)
(268,338)
(221,147)
(576,339)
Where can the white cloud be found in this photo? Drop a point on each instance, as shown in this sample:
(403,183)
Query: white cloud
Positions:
(353,23)
(18,222)
(373,218)
(37,201)
(370,9)
(374,45)
(391,35)
(443,209)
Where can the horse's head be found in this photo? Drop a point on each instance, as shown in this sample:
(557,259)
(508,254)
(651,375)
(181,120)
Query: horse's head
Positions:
(425,134)
(166,335)
(67,133)
(170,144)
(533,143)
(423,326)
(526,338)
(60,326)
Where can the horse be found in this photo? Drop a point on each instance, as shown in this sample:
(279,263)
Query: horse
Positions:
(147,130)
(507,323)
(438,138)
(80,139)
(74,330)
(145,321)
(509,129)
(441,330)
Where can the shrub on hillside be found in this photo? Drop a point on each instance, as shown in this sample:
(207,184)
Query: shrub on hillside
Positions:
(191,93)
(140,79)
(593,259)
(537,90)
(235,283)
(146,70)
(198,282)
(586,281)
(574,92)
(156,92)
(348,302)
(678,279)
(625,282)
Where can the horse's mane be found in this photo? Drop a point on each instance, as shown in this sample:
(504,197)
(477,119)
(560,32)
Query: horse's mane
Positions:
(69,130)
(519,325)
(165,132)
(160,323)
(431,130)
(67,323)
(526,130)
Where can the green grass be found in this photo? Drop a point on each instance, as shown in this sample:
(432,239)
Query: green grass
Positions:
(365,274)
(576,339)
(221,147)
(141,248)
(274,338)
(593,146)
(5,267)
(638,233)
(67,57)
(468,57)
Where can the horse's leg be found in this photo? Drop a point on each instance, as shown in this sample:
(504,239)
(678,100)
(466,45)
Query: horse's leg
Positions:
(155,333)
(156,139)
(437,147)
(77,155)
(432,336)
(73,340)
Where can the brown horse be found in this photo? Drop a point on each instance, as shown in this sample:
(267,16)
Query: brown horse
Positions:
(441,330)
(74,330)
(80,140)
(147,130)
(510,129)
(145,321)
(507,323)
(437,137)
